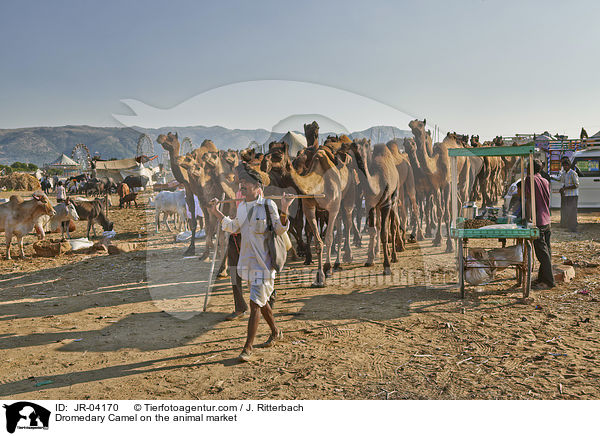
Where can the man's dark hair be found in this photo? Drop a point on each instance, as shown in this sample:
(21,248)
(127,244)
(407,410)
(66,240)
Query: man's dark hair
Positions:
(537,166)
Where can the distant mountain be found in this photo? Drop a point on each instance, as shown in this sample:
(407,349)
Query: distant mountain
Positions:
(40,145)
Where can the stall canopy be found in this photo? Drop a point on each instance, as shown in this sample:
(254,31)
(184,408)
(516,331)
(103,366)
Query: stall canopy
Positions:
(119,169)
(68,166)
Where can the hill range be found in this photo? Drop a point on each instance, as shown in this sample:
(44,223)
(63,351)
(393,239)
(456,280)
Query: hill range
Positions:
(40,145)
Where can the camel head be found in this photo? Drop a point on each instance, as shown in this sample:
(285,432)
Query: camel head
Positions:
(498,141)
(248,154)
(418,128)
(475,141)
(410,146)
(278,155)
(169,142)
(230,157)
(311,131)
(360,148)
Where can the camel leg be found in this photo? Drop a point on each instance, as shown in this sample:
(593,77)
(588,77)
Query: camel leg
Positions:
(449,244)
(437,241)
(308,252)
(428,214)
(348,226)
(398,234)
(311,220)
(372,231)
(385,221)
(357,221)
(378,239)
(191,250)
(211,231)
(329,241)
(394,234)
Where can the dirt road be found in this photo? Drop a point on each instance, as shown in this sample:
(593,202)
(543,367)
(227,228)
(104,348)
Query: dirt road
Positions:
(131,326)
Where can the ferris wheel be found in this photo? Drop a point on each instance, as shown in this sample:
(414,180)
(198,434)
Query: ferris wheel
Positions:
(81,155)
(145,146)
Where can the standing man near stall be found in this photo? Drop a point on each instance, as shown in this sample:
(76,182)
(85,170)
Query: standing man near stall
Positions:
(545,279)
(569,195)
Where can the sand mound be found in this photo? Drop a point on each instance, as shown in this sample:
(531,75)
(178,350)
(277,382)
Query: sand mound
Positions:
(20,182)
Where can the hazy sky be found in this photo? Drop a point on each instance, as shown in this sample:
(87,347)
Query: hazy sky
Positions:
(487,67)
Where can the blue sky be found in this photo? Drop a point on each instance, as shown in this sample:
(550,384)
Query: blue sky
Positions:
(487,67)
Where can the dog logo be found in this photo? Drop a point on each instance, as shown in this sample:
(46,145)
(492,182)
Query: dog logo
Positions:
(26,415)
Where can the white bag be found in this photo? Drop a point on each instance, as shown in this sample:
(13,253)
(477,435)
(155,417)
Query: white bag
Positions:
(477,273)
(80,244)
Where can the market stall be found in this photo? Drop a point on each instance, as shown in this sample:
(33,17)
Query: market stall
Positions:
(500,226)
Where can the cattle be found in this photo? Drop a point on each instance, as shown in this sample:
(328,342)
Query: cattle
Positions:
(109,186)
(169,203)
(94,186)
(18,217)
(122,190)
(128,199)
(64,213)
(93,212)
(136,181)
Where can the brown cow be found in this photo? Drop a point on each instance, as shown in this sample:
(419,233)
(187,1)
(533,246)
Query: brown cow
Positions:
(127,199)
(93,212)
(18,217)
(122,190)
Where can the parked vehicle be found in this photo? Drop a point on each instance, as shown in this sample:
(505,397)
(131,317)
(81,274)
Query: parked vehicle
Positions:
(588,163)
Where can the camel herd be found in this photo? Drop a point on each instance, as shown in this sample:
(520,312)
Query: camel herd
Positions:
(403,192)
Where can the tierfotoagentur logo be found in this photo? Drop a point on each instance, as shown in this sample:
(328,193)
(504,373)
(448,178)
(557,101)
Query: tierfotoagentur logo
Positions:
(27,416)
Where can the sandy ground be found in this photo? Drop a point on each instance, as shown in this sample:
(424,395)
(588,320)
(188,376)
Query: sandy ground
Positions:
(131,326)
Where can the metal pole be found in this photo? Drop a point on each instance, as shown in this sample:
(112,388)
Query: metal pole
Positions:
(523,205)
(212,265)
(531,187)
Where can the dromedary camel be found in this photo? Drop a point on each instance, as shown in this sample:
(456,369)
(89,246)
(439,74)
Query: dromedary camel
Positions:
(323,177)
(379,177)
(423,188)
(170,142)
(436,166)
(406,180)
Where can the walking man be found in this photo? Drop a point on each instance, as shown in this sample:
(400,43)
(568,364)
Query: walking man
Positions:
(545,279)
(254,264)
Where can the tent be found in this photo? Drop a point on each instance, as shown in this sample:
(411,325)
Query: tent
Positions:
(119,169)
(68,166)
(295,142)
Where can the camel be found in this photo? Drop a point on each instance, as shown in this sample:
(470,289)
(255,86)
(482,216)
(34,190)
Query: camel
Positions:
(424,190)
(323,177)
(311,132)
(436,166)
(180,167)
(407,182)
(488,178)
(379,177)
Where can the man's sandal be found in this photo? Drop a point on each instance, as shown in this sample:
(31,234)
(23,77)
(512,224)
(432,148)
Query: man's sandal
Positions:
(274,338)
(245,356)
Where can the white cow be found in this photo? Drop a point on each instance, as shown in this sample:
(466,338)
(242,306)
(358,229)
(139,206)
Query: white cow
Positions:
(64,213)
(170,203)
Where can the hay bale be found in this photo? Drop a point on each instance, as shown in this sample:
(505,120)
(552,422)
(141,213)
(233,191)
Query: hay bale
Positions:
(20,182)
(49,248)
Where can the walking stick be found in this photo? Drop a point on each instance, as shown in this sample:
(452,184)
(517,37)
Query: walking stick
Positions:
(275,197)
(212,265)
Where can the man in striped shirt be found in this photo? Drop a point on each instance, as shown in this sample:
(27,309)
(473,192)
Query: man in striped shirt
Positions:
(569,194)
